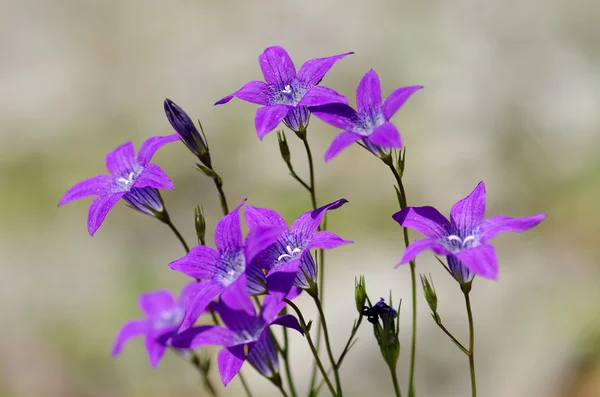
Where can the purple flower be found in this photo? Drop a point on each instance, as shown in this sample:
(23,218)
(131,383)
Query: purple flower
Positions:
(464,239)
(246,337)
(285,94)
(132,178)
(289,259)
(371,123)
(186,129)
(163,316)
(222,271)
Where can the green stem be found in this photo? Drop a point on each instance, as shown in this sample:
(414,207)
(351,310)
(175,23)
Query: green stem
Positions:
(471,345)
(336,372)
(395,381)
(311,168)
(222,198)
(456,342)
(288,367)
(245,384)
(167,219)
(195,360)
(413,279)
(312,346)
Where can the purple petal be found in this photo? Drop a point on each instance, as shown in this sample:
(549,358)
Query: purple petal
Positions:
(269,117)
(130,329)
(468,213)
(253,92)
(288,321)
(228,232)
(230,362)
(151,145)
(426,220)
(94,186)
(500,223)
(271,308)
(319,96)
(386,136)
(257,282)
(338,115)
(202,336)
(155,350)
(99,207)
(396,99)
(261,238)
(277,66)
(121,160)
(239,321)
(262,217)
(306,224)
(313,70)
(368,93)
(200,297)
(185,293)
(263,355)
(460,272)
(481,260)
(200,262)
(157,302)
(417,246)
(280,279)
(153,176)
(236,296)
(146,200)
(326,240)
(341,142)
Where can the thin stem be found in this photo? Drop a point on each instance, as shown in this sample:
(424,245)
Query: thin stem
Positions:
(222,198)
(471,345)
(456,342)
(245,384)
(300,181)
(336,373)
(349,343)
(282,390)
(167,220)
(288,367)
(311,168)
(195,360)
(413,279)
(395,381)
(312,346)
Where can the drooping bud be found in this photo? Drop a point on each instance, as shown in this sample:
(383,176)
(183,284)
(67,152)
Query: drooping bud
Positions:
(188,132)
(386,327)
(360,293)
(200,224)
(284,149)
(430,296)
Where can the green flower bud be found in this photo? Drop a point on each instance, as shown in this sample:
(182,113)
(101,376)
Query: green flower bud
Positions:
(284,149)
(200,224)
(360,293)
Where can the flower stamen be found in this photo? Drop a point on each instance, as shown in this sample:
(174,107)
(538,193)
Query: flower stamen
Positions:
(290,253)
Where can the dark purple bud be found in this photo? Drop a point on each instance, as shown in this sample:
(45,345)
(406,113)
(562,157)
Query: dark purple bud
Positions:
(186,129)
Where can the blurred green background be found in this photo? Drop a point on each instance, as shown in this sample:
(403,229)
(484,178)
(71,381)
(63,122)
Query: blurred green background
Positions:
(512,92)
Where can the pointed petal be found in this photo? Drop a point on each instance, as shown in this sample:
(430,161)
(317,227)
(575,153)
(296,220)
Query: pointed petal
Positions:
(288,321)
(236,296)
(121,160)
(313,70)
(237,320)
(253,92)
(326,240)
(155,350)
(99,207)
(228,232)
(157,302)
(396,99)
(130,329)
(341,142)
(481,260)
(468,213)
(386,136)
(185,293)
(338,115)
(153,176)
(200,262)
(320,95)
(230,362)
(306,224)
(269,117)
(277,66)
(417,246)
(94,186)
(426,220)
(151,145)
(368,93)
(271,308)
(200,297)
(202,336)
(280,279)
(500,223)
(263,355)
(260,239)
(257,217)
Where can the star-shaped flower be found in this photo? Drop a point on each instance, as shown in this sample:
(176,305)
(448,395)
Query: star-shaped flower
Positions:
(222,271)
(285,94)
(245,337)
(465,238)
(371,123)
(289,259)
(163,314)
(132,178)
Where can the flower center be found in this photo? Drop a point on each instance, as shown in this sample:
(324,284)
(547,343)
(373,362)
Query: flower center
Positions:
(287,89)
(291,253)
(368,121)
(125,181)
(168,318)
(456,244)
(289,94)
(230,267)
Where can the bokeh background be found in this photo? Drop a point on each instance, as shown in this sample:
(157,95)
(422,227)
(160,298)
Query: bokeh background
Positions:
(512,97)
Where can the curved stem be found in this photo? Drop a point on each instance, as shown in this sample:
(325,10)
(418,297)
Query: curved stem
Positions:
(456,342)
(222,198)
(336,372)
(395,381)
(471,345)
(167,220)
(312,346)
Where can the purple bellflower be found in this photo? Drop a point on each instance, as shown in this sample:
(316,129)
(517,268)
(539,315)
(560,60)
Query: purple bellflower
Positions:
(132,179)
(371,123)
(285,94)
(163,314)
(245,337)
(288,259)
(222,271)
(187,131)
(465,238)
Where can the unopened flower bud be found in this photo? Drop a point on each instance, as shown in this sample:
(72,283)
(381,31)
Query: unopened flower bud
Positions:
(200,224)
(430,296)
(386,327)
(360,293)
(283,147)
(188,132)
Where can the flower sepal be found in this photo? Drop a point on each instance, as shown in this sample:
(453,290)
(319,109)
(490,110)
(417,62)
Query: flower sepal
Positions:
(360,293)
(430,297)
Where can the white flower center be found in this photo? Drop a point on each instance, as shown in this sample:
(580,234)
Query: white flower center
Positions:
(461,243)
(287,89)
(291,253)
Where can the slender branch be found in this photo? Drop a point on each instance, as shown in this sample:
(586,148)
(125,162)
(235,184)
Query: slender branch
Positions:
(312,346)
(222,198)
(245,384)
(288,367)
(349,343)
(395,381)
(471,345)
(311,168)
(456,342)
(195,360)
(167,219)
(336,373)
(300,181)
